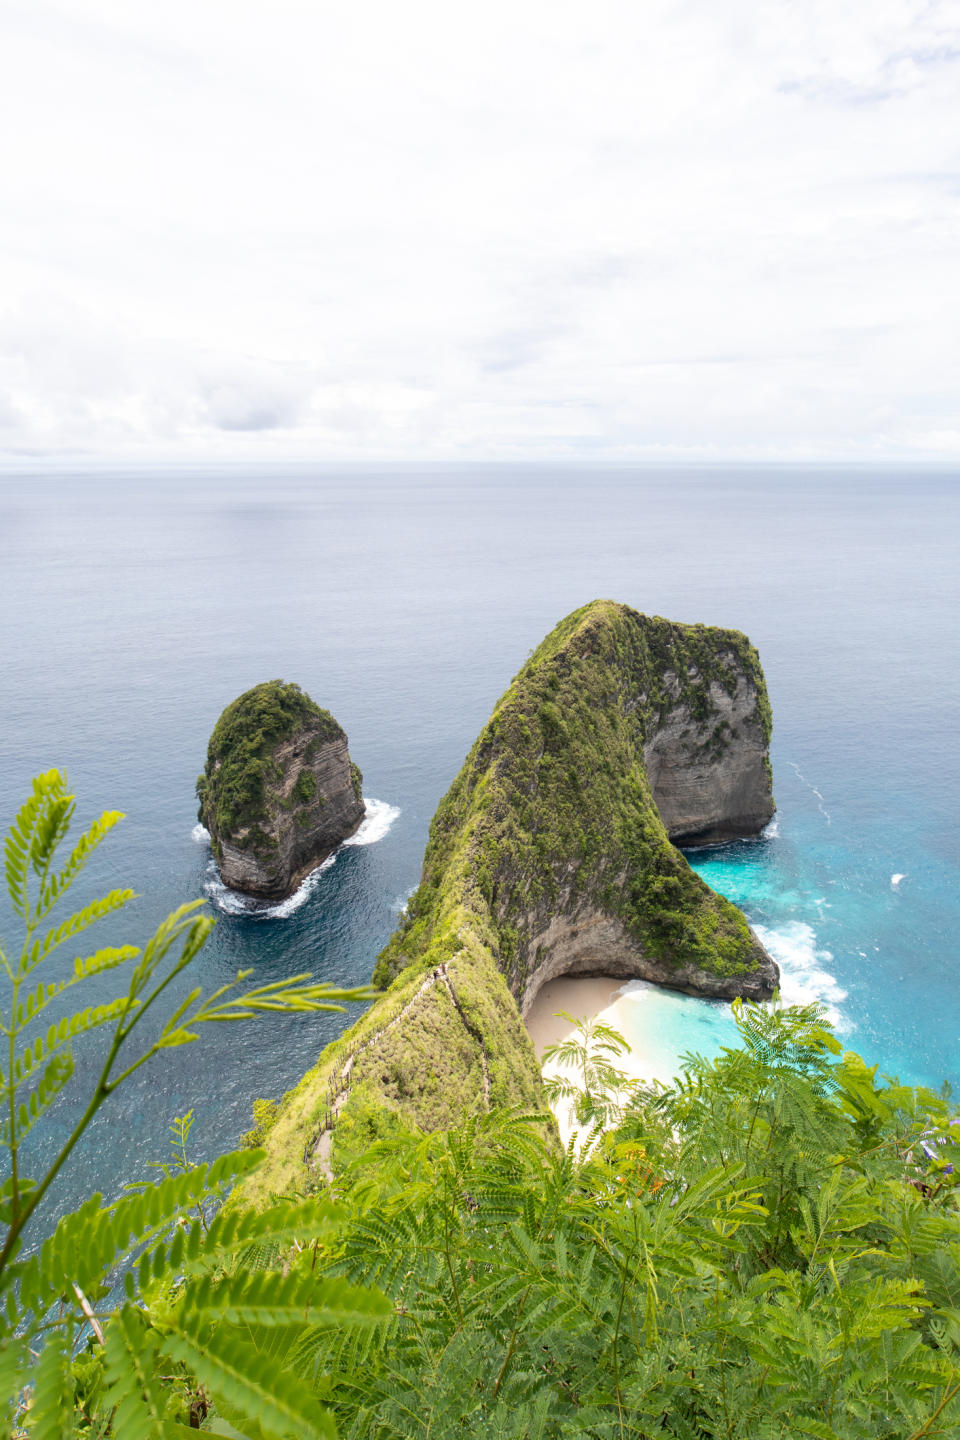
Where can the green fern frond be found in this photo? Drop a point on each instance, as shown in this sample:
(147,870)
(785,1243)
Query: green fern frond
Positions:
(42,995)
(88,1243)
(56,1074)
(265,1298)
(246,1383)
(42,949)
(56,886)
(51,1413)
(180,923)
(62,1033)
(132,1392)
(47,790)
(13,1355)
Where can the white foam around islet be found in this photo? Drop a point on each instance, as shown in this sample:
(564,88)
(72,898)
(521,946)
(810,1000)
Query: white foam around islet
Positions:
(379,817)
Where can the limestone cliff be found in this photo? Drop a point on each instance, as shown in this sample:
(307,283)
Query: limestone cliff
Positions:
(549,856)
(279,792)
(621,733)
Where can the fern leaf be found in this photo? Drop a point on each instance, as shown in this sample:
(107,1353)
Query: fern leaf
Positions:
(241,1379)
(53,888)
(55,1076)
(62,1033)
(130,1361)
(180,922)
(88,1243)
(12,1354)
(52,827)
(70,1026)
(41,949)
(51,1414)
(18,846)
(237,1233)
(266,1298)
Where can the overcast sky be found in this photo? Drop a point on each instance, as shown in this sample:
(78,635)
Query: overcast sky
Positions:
(700,229)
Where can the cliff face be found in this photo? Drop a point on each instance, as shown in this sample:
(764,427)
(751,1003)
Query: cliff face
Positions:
(279,792)
(621,732)
(551,855)
(706,756)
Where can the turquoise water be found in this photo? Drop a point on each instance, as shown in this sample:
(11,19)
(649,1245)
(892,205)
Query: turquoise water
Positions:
(134,606)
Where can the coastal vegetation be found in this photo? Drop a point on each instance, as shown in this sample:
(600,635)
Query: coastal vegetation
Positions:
(766,1249)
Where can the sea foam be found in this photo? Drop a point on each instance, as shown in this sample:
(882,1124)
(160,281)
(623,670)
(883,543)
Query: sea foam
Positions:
(803,978)
(379,817)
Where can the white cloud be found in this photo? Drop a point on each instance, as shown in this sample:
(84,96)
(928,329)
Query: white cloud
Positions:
(436,230)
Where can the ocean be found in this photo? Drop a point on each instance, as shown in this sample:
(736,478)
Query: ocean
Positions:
(136,604)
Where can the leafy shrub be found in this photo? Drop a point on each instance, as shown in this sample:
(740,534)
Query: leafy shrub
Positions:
(179,1328)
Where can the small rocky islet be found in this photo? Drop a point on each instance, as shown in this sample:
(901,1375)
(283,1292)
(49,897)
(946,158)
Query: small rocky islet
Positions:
(279,791)
(552,854)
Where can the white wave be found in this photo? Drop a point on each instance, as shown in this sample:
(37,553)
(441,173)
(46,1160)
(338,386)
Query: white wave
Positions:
(803,978)
(895,880)
(399,905)
(232,902)
(771,830)
(821,805)
(380,816)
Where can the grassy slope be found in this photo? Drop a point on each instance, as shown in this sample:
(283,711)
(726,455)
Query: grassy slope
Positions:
(551,805)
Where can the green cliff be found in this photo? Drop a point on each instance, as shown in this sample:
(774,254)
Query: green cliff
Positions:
(279,791)
(550,855)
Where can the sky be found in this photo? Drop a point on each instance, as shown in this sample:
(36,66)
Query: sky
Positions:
(577,229)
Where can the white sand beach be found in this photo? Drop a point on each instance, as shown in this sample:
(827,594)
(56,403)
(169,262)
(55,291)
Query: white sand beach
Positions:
(659,1025)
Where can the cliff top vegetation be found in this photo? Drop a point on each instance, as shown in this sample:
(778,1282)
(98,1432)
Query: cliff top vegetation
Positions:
(551,810)
(232,788)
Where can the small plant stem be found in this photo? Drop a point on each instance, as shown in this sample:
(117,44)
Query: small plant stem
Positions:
(925,1427)
(101,1090)
(513,1341)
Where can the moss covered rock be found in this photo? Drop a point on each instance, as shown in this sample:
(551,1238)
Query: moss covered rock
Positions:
(279,792)
(551,839)
(551,854)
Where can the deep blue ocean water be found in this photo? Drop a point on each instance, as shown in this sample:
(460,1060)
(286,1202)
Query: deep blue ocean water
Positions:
(134,606)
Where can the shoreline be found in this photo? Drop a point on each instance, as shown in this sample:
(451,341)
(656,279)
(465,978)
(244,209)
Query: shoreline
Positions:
(590,997)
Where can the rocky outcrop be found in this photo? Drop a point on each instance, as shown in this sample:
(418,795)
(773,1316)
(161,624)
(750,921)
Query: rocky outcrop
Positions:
(710,776)
(589,942)
(279,792)
(551,854)
(621,733)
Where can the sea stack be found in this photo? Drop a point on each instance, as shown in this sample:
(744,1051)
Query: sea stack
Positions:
(623,736)
(279,792)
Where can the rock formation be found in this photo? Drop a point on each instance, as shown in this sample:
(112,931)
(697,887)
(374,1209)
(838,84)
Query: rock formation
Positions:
(621,733)
(279,792)
(551,854)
